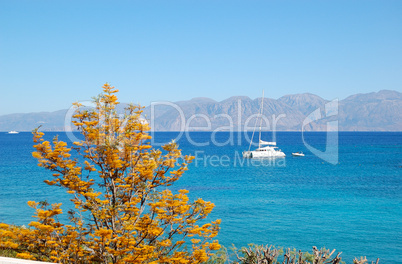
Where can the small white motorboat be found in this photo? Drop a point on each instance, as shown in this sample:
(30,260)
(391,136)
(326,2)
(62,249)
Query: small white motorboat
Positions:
(13,132)
(298,154)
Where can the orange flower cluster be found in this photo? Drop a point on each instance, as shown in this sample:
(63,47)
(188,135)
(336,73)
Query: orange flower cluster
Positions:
(117,184)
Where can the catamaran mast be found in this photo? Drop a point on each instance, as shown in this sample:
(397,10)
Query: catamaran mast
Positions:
(255,125)
(262,111)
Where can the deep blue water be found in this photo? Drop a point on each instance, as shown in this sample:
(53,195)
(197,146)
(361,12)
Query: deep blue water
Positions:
(354,206)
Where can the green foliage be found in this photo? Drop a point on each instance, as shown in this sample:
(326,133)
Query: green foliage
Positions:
(219,257)
(8,253)
(260,254)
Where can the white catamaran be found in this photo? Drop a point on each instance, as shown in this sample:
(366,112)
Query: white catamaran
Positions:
(269,151)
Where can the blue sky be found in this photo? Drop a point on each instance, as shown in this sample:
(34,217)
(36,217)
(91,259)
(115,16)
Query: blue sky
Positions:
(53,53)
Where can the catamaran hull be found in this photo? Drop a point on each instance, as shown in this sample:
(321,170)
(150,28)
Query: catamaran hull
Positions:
(262,154)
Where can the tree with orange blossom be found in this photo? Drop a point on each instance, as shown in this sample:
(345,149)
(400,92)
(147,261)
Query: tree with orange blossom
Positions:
(123,211)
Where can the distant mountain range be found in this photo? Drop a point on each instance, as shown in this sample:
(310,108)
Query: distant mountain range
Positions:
(381,111)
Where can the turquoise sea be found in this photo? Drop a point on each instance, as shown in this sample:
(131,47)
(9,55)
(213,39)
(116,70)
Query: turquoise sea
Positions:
(354,206)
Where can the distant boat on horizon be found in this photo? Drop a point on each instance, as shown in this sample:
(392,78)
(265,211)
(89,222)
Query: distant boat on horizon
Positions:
(13,132)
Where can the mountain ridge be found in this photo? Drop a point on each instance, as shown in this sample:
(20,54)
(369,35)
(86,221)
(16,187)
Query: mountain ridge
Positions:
(376,111)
